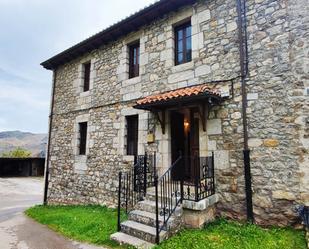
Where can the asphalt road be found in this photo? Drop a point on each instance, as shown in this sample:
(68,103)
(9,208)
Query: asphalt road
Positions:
(18,231)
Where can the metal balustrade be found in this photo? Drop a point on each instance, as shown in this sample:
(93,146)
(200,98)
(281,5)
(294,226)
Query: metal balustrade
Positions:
(169,192)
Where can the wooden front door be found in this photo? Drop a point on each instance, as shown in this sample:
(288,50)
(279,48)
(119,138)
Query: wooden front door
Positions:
(185,141)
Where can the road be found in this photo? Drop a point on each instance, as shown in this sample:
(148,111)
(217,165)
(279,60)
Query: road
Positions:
(20,232)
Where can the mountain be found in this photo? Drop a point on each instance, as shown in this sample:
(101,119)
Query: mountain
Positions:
(36,143)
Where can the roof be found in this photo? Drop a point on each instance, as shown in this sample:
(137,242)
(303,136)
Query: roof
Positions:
(196,92)
(112,33)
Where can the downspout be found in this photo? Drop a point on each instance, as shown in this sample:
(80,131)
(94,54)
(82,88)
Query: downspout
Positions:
(46,177)
(243,52)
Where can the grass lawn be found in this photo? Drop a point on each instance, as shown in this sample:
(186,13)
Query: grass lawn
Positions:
(95,224)
(223,234)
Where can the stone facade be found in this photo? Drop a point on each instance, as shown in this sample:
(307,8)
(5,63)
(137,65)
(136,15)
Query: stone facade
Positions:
(278,113)
(277,107)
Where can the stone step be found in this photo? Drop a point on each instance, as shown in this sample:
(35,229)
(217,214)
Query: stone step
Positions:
(146,205)
(141,231)
(167,190)
(123,238)
(151,196)
(149,218)
(150,206)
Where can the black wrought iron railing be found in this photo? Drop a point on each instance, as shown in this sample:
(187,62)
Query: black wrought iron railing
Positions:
(133,184)
(170,189)
(145,169)
(168,194)
(202,183)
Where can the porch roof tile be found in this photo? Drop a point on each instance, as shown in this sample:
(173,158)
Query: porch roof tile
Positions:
(191,91)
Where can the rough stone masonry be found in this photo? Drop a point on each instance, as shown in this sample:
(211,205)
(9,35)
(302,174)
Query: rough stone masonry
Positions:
(277,86)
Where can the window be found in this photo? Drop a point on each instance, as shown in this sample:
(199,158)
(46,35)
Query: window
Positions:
(86,69)
(183,47)
(134,60)
(132,134)
(82,138)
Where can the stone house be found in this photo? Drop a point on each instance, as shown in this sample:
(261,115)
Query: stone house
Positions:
(194,77)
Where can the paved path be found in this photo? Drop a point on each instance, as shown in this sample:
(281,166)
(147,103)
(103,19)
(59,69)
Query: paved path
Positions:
(19,232)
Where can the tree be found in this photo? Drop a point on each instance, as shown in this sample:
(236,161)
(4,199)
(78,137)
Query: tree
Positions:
(17,153)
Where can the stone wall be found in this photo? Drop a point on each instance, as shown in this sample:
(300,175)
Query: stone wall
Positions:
(277,107)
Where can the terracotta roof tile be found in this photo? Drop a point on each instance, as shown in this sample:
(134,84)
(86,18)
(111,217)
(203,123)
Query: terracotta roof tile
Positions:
(180,93)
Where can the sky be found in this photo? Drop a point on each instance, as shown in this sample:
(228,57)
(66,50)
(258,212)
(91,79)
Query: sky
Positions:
(32,31)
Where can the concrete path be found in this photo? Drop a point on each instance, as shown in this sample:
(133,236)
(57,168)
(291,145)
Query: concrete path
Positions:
(18,231)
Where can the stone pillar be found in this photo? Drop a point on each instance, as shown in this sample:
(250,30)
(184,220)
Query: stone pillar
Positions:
(196,214)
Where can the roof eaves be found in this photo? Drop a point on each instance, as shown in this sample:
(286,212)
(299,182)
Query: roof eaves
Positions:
(102,37)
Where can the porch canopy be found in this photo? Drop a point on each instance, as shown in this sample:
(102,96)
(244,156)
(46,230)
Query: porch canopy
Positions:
(203,96)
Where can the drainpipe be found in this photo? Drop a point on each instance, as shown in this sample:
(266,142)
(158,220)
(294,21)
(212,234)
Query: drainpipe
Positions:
(46,178)
(243,52)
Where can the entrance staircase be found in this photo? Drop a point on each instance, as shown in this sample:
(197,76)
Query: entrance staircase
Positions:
(140,228)
(154,204)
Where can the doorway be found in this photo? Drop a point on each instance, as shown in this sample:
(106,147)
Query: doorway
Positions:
(185,142)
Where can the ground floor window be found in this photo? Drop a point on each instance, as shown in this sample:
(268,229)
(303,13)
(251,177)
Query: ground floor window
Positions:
(132,134)
(82,138)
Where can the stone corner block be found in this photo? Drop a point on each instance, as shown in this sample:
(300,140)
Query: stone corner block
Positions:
(252,96)
(221,159)
(202,204)
(128,158)
(283,195)
(204,16)
(214,127)
(255,142)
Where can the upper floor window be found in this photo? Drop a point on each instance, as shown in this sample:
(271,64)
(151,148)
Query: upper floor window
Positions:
(134,60)
(183,45)
(82,138)
(86,70)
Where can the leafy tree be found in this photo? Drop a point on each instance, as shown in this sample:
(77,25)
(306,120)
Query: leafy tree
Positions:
(17,153)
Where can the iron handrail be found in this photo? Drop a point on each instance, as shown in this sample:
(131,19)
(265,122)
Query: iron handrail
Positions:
(169,189)
(170,168)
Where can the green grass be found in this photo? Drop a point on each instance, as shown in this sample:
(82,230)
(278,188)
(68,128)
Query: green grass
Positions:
(232,235)
(93,224)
